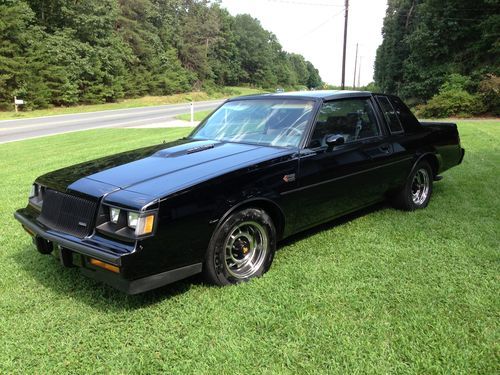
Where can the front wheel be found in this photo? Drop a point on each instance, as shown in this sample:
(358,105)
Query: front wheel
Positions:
(417,191)
(241,248)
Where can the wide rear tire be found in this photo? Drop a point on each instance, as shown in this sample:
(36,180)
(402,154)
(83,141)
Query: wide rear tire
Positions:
(417,191)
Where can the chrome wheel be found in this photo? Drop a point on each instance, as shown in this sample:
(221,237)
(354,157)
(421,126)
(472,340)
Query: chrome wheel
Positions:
(246,248)
(420,186)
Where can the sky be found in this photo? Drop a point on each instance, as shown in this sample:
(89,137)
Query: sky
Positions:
(315,29)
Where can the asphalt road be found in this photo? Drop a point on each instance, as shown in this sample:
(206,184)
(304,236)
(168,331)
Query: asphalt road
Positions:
(16,130)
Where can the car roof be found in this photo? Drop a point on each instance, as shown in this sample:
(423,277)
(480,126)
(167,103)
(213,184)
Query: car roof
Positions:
(316,95)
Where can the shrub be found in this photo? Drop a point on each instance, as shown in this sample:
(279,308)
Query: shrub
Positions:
(451,103)
(489,91)
(452,100)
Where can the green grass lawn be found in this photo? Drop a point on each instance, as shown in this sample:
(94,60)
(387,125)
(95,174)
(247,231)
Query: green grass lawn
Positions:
(132,103)
(382,292)
(198,116)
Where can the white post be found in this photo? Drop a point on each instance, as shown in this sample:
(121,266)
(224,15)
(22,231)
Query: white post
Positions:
(192,112)
(15,103)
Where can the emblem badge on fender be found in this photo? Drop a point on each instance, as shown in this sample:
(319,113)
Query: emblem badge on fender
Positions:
(289,177)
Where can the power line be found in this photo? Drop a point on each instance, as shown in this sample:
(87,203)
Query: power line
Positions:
(320,25)
(482,18)
(293,2)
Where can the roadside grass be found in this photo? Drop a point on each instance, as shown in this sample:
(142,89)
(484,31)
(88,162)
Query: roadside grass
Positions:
(382,291)
(198,116)
(145,101)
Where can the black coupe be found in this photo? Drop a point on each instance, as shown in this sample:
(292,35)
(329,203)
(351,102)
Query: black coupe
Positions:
(257,170)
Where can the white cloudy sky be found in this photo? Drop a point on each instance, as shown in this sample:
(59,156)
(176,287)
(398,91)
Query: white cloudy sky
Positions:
(314,28)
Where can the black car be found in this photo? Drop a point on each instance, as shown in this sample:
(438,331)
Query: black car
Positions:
(257,170)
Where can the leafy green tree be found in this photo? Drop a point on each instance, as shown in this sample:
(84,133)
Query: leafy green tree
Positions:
(254,44)
(299,67)
(314,80)
(15,25)
(224,55)
(424,41)
(64,52)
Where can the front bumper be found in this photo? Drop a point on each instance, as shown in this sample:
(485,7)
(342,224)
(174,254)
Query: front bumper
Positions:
(69,242)
(76,252)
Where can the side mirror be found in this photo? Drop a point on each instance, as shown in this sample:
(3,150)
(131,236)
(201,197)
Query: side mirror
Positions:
(334,140)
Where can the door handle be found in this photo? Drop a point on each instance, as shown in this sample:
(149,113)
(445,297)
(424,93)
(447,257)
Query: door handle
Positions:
(385,148)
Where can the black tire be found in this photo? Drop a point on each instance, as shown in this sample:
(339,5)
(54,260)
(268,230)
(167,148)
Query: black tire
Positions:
(414,195)
(232,257)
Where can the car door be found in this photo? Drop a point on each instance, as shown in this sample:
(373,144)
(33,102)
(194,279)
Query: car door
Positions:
(335,181)
(403,141)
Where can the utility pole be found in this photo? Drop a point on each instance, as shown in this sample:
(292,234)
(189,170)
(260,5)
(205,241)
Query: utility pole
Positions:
(345,42)
(355,66)
(359,71)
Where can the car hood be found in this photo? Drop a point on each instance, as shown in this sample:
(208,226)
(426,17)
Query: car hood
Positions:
(159,170)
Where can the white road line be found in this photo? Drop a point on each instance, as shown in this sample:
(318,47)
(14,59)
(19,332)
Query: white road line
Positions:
(46,127)
(66,122)
(106,117)
(81,130)
(140,117)
(137,110)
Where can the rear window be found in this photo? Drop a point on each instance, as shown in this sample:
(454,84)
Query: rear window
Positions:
(390,115)
(407,118)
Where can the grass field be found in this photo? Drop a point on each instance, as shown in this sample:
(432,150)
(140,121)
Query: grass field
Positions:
(198,116)
(383,291)
(145,101)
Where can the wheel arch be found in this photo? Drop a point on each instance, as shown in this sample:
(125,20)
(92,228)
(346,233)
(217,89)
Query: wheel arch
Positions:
(268,205)
(430,158)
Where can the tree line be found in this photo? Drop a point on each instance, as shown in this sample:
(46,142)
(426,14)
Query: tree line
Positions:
(66,52)
(444,53)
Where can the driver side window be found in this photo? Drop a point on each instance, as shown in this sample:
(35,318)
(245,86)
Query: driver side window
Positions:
(354,119)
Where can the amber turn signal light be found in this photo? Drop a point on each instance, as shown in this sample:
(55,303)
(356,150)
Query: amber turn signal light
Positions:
(145,225)
(148,223)
(106,266)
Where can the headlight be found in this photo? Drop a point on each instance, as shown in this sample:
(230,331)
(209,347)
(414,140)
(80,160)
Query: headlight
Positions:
(114,214)
(36,196)
(132,219)
(142,224)
(124,224)
(33,191)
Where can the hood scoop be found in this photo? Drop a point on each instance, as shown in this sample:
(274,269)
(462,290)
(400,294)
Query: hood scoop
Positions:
(199,148)
(186,149)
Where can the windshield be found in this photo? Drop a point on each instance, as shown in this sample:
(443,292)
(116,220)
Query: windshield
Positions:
(268,122)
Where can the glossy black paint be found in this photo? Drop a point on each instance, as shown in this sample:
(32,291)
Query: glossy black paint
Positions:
(195,185)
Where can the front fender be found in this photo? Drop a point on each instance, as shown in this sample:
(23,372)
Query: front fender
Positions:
(271,206)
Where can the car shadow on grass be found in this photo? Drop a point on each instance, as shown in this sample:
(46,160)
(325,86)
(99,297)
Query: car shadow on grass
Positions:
(48,272)
(333,223)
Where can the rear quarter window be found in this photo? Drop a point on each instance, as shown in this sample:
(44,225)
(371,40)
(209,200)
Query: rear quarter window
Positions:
(390,115)
(406,117)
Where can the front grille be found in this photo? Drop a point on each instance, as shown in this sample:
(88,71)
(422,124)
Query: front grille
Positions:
(67,213)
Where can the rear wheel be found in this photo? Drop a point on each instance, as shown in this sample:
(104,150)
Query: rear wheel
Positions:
(417,191)
(241,248)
